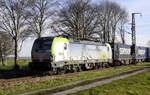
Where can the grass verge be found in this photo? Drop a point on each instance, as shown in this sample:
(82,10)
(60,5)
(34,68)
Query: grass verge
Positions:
(23,63)
(26,87)
(135,85)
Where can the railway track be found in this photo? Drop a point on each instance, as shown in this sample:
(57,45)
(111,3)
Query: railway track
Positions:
(6,82)
(33,79)
(88,83)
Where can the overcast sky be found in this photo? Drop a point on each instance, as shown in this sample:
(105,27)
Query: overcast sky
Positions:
(142,23)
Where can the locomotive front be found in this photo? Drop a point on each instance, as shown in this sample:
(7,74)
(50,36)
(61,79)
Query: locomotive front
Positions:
(41,52)
(46,50)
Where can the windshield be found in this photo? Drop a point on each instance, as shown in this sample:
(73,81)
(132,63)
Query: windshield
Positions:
(42,44)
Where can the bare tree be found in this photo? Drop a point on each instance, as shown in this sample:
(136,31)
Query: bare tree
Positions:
(103,17)
(6,46)
(13,22)
(121,29)
(76,19)
(110,15)
(38,15)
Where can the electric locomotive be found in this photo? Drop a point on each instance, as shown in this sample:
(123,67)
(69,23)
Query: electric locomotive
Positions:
(59,53)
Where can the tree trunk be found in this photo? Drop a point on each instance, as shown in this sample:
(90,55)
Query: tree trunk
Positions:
(104,35)
(16,55)
(114,33)
(39,35)
(123,37)
(1,54)
(2,59)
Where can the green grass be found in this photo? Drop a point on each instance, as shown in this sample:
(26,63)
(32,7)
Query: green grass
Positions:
(26,87)
(9,64)
(135,85)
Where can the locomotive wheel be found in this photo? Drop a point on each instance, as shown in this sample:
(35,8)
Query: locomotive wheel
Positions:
(75,68)
(79,69)
(61,71)
(97,66)
(117,63)
(105,65)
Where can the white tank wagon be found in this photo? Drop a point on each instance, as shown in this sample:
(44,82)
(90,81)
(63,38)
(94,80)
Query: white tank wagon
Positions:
(61,54)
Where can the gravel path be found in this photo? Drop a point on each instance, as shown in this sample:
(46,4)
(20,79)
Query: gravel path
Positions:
(95,84)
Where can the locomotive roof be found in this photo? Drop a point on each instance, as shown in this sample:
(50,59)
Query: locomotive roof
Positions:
(86,42)
(74,41)
(45,38)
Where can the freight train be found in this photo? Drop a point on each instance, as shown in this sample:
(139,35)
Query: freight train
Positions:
(60,54)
